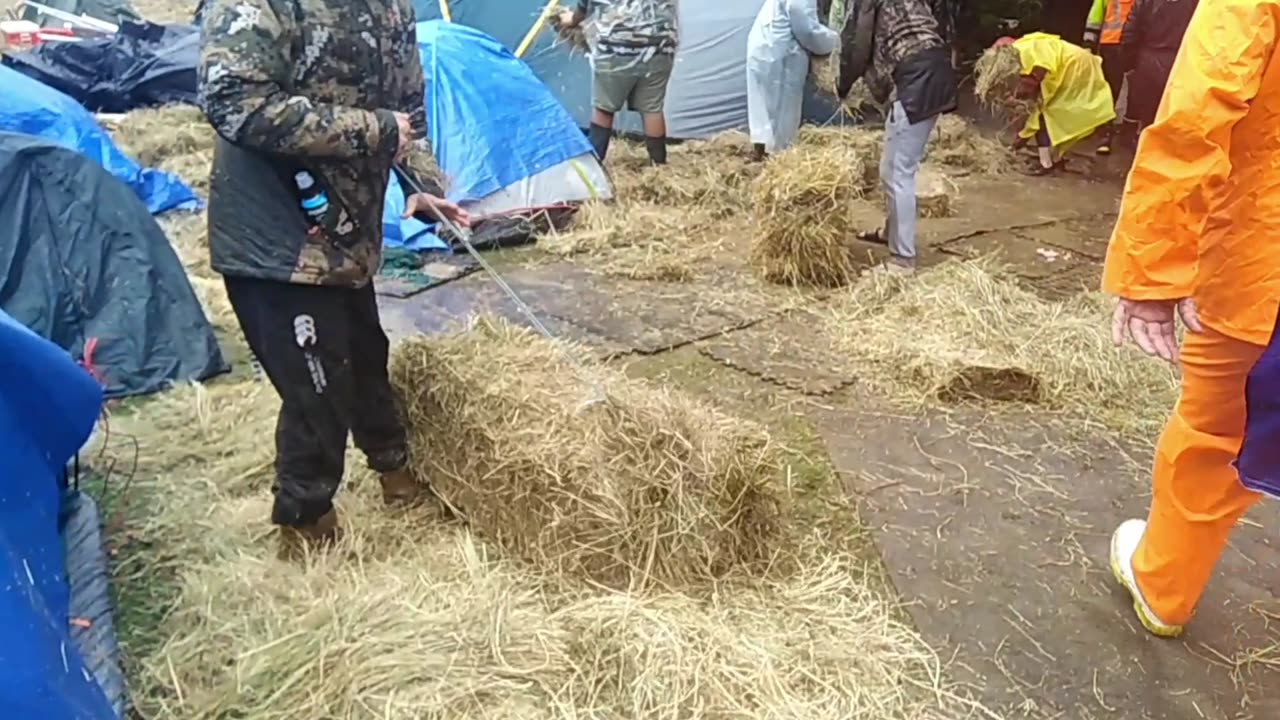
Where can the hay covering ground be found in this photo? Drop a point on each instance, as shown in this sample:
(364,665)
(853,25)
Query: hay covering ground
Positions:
(966,331)
(411,617)
(647,488)
(174,138)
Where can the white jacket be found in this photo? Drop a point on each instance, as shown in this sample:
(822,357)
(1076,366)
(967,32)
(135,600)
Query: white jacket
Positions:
(785,34)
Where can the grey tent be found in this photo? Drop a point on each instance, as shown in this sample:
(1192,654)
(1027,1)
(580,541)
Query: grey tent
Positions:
(708,92)
(83,264)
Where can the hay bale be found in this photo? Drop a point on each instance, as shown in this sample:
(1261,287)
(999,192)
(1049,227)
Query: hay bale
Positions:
(957,143)
(967,330)
(173,138)
(805,206)
(648,488)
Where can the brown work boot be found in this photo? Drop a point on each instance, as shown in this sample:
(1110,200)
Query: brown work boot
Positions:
(400,488)
(322,534)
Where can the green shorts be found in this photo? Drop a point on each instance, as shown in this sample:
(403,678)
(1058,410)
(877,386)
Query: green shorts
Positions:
(628,81)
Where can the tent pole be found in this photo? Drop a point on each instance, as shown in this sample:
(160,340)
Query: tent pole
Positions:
(444,11)
(537,28)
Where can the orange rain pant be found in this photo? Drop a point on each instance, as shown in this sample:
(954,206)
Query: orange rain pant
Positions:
(1196,496)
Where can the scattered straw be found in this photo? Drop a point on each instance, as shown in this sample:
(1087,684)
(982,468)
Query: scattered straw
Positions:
(969,331)
(174,138)
(649,487)
(808,206)
(957,143)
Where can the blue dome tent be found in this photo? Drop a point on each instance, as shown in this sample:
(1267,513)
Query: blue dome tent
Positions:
(708,91)
(29,107)
(502,138)
(48,407)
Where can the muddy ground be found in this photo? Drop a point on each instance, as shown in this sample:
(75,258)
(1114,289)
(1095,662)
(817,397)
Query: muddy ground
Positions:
(992,527)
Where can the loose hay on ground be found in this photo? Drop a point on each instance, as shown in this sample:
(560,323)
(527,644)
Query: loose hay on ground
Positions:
(807,205)
(967,330)
(174,138)
(649,488)
(957,143)
(413,618)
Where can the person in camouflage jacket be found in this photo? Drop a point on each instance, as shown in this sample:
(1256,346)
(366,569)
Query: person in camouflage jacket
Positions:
(333,89)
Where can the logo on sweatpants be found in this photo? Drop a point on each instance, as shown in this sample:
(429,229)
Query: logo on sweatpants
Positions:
(304,330)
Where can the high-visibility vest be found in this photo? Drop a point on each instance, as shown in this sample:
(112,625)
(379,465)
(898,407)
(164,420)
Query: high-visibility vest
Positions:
(1113,24)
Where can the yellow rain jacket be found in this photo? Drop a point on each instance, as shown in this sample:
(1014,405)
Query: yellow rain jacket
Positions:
(1201,211)
(1074,96)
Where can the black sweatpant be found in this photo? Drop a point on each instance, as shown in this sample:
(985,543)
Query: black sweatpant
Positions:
(326,354)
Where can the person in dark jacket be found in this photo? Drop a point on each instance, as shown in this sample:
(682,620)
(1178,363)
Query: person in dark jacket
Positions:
(895,44)
(314,94)
(1152,35)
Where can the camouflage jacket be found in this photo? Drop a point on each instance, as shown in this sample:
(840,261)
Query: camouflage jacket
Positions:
(312,85)
(632,27)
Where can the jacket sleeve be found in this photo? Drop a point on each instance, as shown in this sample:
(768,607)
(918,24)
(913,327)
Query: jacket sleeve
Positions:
(418,159)
(245,67)
(1097,14)
(1184,158)
(808,30)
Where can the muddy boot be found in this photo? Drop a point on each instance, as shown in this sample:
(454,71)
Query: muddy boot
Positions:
(399,488)
(295,542)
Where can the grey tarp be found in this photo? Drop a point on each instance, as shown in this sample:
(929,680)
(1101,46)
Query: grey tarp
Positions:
(82,262)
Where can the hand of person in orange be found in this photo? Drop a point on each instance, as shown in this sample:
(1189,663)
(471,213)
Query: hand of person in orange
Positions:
(1152,324)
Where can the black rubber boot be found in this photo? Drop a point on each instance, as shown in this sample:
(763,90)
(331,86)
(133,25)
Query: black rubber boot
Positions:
(758,153)
(657,147)
(599,137)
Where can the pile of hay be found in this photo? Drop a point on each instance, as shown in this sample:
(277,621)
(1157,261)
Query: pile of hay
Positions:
(647,488)
(996,78)
(808,206)
(412,617)
(967,331)
(957,143)
(577,39)
(174,138)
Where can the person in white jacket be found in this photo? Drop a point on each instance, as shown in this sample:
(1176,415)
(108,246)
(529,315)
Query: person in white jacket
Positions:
(786,34)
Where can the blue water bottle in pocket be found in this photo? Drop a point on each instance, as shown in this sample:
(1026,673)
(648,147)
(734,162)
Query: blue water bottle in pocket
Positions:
(315,204)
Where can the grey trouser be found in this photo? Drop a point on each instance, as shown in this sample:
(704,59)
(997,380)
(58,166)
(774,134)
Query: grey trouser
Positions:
(904,145)
(633,81)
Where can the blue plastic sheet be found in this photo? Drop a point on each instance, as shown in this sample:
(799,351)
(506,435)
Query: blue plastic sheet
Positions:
(31,108)
(48,405)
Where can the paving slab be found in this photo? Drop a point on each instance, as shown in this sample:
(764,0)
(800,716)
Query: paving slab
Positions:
(995,531)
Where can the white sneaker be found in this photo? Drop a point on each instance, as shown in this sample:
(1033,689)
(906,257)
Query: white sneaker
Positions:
(1124,543)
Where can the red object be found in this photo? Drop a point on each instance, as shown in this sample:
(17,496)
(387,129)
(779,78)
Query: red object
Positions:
(22,34)
(87,363)
(1006,40)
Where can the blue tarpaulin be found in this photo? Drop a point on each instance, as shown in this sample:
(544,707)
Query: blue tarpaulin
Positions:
(48,406)
(32,108)
(492,122)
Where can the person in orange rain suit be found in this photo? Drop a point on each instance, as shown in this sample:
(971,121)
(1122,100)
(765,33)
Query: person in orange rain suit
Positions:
(1104,33)
(1196,239)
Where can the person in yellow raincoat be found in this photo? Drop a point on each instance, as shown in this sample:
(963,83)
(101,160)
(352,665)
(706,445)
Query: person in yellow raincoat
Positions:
(1073,99)
(1196,240)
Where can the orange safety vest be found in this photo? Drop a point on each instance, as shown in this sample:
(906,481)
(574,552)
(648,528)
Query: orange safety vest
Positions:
(1113,25)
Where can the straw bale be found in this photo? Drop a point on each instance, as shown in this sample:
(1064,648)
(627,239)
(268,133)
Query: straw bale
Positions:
(807,205)
(957,143)
(174,138)
(649,487)
(966,331)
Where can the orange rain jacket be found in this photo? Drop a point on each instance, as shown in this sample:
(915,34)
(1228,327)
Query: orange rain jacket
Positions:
(1109,17)
(1201,211)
